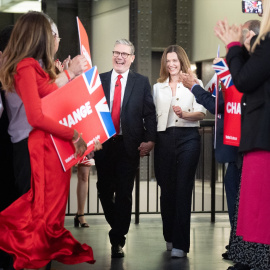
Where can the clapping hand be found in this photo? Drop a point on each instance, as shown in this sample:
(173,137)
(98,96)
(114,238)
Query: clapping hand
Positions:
(67,62)
(226,33)
(59,66)
(188,79)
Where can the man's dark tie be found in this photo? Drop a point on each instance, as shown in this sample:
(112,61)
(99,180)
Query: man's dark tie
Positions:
(116,109)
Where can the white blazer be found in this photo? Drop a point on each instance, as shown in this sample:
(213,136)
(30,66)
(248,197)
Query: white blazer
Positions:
(162,95)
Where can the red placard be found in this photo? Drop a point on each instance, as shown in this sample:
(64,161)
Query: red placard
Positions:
(232,110)
(84,43)
(232,116)
(80,104)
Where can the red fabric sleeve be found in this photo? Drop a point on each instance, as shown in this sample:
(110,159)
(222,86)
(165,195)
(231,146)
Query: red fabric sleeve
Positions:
(28,84)
(234,43)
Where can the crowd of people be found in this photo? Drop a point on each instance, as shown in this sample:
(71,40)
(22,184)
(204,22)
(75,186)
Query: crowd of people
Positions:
(32,213)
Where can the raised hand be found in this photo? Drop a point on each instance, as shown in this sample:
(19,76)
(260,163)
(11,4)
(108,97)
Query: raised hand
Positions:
(228,34)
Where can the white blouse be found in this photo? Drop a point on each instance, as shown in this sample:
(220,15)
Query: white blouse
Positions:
(164,101)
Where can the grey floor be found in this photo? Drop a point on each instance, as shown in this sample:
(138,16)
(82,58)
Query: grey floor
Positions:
(145,247)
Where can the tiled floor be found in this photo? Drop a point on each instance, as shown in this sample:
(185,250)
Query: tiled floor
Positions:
(145,247)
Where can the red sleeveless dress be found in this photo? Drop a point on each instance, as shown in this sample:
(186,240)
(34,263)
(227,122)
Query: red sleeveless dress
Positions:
(32,228)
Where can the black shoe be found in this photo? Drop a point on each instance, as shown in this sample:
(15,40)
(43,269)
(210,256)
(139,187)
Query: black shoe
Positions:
(225,255)
(239,266)
(77,222)
(117,252)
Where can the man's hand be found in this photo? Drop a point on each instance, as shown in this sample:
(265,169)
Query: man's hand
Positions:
(249,36)
(98,145)
(145,148)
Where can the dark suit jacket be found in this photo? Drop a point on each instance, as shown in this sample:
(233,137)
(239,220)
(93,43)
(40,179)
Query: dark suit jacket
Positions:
(251,76)
(224,153)
(138,114)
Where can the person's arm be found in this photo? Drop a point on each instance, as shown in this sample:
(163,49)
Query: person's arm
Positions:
(193,116)
(150,123)
(76,67)
(190,116)
(208,100)
(26,87)
(203,97)
(149,114)
(249,74)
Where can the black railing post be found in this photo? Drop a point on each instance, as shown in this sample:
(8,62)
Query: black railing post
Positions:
(137,197)
(213,181)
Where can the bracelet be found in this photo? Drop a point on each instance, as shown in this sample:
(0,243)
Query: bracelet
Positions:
(75,141)
(66,72)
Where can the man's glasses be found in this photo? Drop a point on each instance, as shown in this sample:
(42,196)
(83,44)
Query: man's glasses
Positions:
(56,36)
(123,54)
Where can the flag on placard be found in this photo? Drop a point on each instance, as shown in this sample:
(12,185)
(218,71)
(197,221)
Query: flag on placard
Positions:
(232,110)
(211,85)
(93,82)
(80,104)
(223,73)
(84,43)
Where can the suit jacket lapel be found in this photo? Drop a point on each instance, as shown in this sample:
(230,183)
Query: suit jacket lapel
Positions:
(106,83)
(129,86)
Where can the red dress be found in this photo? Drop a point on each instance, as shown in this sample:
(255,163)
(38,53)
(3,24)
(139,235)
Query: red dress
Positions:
(32,228)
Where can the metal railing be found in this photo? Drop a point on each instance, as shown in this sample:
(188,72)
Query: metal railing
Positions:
(208,193)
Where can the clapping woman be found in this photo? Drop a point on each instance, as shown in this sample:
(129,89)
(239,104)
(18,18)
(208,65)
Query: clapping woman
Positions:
(251,76)
(32,228)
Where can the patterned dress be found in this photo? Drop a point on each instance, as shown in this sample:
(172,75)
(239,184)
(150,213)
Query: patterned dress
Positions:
(256,256)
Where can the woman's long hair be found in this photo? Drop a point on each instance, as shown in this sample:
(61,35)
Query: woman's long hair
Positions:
(182,57)
(31,37)
(265,24)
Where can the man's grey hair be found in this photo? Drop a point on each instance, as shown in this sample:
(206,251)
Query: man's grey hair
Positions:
(254,25)
(126,42)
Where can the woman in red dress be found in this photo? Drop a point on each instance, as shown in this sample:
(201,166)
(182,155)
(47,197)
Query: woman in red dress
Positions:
(32,228)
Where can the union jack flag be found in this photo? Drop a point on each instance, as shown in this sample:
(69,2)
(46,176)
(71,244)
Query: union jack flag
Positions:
(93,83)
(92,79)
(211,85)
(223,73)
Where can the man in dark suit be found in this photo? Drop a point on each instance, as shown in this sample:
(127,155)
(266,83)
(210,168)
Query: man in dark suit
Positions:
(133,112)
(224,153)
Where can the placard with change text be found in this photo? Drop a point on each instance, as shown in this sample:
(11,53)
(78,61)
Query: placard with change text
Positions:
(80,104)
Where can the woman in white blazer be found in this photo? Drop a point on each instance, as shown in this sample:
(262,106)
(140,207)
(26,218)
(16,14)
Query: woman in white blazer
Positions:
(177,148)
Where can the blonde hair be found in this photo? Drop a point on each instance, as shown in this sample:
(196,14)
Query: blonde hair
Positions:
(182,57)
(265,24)
(31,37)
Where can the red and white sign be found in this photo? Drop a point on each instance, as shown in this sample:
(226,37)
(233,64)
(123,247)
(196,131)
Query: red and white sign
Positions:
(80,104)
(84,43)
(232,110)
(232,116)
